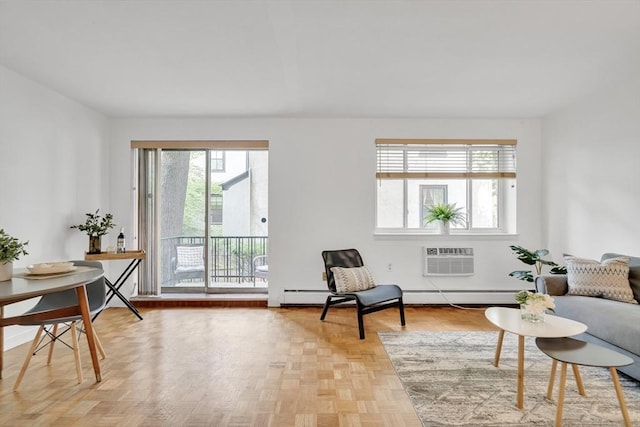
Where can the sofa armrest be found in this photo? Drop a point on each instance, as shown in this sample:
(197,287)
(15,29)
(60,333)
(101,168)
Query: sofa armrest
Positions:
(552,284)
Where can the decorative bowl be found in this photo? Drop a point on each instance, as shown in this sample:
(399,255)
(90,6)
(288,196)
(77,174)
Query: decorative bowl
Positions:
(50,267)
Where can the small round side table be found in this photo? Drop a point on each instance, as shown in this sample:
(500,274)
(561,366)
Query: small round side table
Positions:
(576,352)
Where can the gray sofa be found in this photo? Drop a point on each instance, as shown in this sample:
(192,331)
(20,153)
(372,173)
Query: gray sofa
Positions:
(612,324)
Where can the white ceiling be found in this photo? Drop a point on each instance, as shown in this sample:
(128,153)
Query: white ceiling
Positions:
(348,58)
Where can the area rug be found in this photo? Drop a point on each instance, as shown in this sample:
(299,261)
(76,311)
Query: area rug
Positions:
(451,381)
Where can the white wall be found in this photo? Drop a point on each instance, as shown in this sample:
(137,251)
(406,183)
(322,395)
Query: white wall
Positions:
(322,192)
(53,169)
(591,170)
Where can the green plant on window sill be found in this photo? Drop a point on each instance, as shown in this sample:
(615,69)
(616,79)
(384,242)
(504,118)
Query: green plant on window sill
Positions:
(534,258)
(446,213)
(95,225)
(10,248)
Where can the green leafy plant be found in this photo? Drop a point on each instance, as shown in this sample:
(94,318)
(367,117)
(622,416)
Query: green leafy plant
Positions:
(96,225)
(445,212)
(536,259)
(10,248)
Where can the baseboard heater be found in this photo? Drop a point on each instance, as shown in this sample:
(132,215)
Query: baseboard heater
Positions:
(419,291)
(497,293)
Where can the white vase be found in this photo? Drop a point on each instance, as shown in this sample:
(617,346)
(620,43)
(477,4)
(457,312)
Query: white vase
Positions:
(6,271)
(532,313)
(445,227)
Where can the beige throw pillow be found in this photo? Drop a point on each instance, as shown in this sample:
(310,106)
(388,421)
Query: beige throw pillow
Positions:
(352,279)
(609,279)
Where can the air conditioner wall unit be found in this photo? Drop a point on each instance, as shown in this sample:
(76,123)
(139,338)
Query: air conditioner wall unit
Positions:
(448,261)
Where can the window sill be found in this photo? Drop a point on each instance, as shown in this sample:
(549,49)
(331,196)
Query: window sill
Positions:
(443,237)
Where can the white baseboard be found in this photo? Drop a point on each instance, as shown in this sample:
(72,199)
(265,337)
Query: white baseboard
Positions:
(17,335)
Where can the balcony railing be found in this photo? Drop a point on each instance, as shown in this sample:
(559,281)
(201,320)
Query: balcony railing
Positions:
(230,259)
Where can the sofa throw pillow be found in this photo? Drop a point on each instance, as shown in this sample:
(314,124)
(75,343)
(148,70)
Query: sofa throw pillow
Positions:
(634,272)
(609,279)
(352,279)
(189,256)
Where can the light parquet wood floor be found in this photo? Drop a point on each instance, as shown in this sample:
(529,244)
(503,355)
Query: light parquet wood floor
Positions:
(226,367)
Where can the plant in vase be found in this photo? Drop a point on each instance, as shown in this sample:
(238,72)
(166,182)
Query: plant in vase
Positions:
(447,214)
(11,249)
(534,305)
(96,226)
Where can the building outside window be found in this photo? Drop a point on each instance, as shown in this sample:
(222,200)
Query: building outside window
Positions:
(216,208)
(217,161)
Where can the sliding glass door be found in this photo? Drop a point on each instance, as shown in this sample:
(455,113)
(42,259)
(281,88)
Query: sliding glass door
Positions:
(204,216)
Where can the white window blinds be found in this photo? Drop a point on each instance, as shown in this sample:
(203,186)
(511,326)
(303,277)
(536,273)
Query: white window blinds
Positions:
(445,158)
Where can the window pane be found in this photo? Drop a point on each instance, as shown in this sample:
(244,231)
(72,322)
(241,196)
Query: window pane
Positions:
(452,191)
(390,202)
(414,203)
(484,202)
(217,161)
(182,209)
(431,196)
(457,194)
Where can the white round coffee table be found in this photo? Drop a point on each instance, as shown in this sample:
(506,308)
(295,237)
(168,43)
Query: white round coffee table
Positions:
(508,319)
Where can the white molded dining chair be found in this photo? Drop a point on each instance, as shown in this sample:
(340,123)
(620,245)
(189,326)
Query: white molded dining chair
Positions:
(96,295)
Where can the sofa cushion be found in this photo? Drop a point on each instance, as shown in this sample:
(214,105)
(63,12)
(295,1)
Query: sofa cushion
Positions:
(609,279)
(611,321)
(352,279)
(634,272)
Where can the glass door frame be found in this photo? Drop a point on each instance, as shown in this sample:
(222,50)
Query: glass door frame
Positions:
(149,166)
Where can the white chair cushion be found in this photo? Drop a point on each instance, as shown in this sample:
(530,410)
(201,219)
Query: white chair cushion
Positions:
(189,256)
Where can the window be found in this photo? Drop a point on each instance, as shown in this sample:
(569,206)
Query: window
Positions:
(431,195)
(216,209)
(477,175)
(217,161)
(182,202)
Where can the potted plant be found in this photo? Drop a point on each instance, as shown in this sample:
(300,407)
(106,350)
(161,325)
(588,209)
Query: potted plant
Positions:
(534,258)
(10,250)
(447,214)
(533,305)
(96,226)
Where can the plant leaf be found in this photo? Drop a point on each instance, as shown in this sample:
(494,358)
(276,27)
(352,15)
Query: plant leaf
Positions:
(522,275)
(541,253)
(558,269)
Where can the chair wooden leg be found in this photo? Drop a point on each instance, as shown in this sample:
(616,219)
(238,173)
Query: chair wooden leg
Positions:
(52,343)
(326,307)
(99,345)
(103,355)
(25,365)
(76,351)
